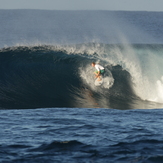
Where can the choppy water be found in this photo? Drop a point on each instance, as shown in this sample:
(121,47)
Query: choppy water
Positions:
(81,135)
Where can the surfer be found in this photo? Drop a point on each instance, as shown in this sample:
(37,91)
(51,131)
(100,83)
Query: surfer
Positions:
(100,70)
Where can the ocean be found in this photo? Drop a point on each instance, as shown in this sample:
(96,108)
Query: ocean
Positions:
(50,108)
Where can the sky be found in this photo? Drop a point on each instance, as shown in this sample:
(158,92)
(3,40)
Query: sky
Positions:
(128,5)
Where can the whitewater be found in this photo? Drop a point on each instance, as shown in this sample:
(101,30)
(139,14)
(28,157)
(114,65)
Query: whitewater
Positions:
(50,108)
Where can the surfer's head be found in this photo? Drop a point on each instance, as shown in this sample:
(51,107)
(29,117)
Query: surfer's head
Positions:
(93,64)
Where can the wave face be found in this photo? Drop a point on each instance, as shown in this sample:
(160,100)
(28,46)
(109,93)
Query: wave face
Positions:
(61,76)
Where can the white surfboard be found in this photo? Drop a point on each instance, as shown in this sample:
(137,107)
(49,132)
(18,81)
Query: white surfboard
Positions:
(97,82)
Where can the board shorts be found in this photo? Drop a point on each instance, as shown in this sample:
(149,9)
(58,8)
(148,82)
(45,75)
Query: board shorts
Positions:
(101,71)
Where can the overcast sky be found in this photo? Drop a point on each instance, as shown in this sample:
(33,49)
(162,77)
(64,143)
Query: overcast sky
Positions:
(136,5)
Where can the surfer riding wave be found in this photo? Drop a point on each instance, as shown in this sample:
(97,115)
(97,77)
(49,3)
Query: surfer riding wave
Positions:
(99,70)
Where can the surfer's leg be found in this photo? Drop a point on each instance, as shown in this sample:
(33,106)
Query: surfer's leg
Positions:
(99,78)
(100,75)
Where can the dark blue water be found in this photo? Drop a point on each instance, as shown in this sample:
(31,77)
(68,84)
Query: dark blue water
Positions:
(81,135)
(50,109)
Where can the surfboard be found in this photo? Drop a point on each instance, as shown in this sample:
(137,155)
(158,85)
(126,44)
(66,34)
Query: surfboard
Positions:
(98,83)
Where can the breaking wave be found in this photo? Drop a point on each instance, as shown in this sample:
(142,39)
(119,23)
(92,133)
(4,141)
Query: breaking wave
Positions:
(61,76)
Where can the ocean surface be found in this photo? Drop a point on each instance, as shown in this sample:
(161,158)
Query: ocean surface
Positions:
(50,108)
